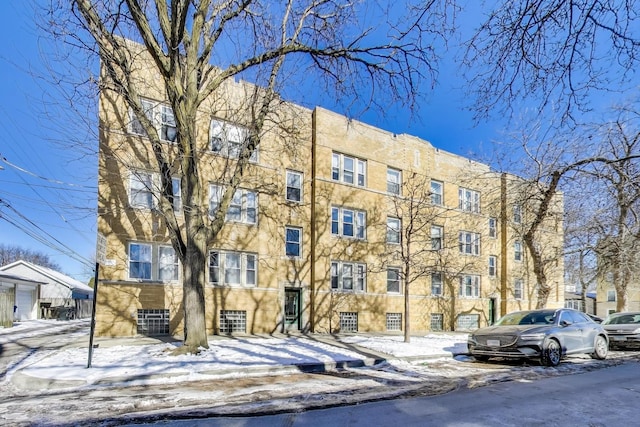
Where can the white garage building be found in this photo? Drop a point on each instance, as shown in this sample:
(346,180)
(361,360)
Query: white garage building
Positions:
(18,298)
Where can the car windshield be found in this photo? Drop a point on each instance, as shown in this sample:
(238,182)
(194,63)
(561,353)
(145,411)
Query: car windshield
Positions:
(622,319)
(528,318)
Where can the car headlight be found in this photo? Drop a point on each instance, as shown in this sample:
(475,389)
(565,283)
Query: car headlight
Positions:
(637,331)
(532,337)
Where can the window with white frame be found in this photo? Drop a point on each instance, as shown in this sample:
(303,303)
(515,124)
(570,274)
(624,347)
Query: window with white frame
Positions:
(293,244)
(167,264)
(348,276)
(393,280)
(348,223)
(228,268)
(493,270)
(134,124)
(160,115)
(144,187)
(243,207)
(517,250)
(177,194)
(611,296)
(437,192)
(518,289)
(140,261)
(393,230)
(437,283)
(470,286)
(517,214)
(394,181)
(437,237)
(141,190)
(493,227)
(294,186)
(469,243)
(168,130)
(468,200)
(152,261)
(349,170)
(228,140)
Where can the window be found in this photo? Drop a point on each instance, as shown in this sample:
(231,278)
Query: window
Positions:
(294,186)
(168,131)
(348,322)
(140,261)
(348,276)
(493,265)
(141,190)
(134,125)
(167,264)
(394,181)
(160,115)
(470,286)
(153,322)
(437,322)
(293,244)
(517,250)
(394,321)
(149,261)
(493,227)
(348,223)
(232,268)
(393,280)
(468,200)
(611,296)
(518,289)
(469,243)
(517,214)
(393,230)
(436,283)
(349,170)
(243,207)
(228,140)
(437,235)
(468,322)
(436,193)
(177,194)
(233,321)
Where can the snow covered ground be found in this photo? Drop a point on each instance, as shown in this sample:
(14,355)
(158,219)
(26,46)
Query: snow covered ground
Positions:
(132,379)
(238,356)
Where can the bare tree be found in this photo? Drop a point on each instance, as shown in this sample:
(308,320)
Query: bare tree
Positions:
(269,44)
(12,253)
(409,238)
(556,53)
(619,208)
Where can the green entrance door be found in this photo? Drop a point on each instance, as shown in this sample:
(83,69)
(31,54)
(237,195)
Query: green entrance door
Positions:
(292,309)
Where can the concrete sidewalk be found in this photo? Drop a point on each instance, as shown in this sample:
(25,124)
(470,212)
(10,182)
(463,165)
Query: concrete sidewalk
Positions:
(362,357)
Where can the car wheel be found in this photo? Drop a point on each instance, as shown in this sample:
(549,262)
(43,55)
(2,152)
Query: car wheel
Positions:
(551,353)
(600,348)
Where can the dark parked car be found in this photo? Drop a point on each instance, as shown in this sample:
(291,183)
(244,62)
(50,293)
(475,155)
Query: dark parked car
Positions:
(547,334)
(623,329)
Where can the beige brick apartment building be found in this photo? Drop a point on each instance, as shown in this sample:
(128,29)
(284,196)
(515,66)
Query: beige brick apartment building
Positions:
(312,238)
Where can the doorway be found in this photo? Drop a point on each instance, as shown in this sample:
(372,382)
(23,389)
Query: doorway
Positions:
(292,310)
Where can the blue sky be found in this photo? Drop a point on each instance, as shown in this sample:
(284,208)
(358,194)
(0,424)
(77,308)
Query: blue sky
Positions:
(48,191)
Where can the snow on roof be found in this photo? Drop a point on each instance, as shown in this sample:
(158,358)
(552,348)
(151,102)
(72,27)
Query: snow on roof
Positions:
(16,277)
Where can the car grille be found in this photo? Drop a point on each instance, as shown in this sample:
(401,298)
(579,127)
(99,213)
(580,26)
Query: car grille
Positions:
(505,340)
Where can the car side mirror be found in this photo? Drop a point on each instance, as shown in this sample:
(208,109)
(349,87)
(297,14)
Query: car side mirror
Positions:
(564,323)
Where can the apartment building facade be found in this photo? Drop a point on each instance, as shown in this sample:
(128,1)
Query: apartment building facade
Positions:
(315,238)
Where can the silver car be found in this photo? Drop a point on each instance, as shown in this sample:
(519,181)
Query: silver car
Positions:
(547,334)
(623,329)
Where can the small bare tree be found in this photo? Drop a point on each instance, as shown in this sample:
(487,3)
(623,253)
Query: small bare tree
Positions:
(276,46)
